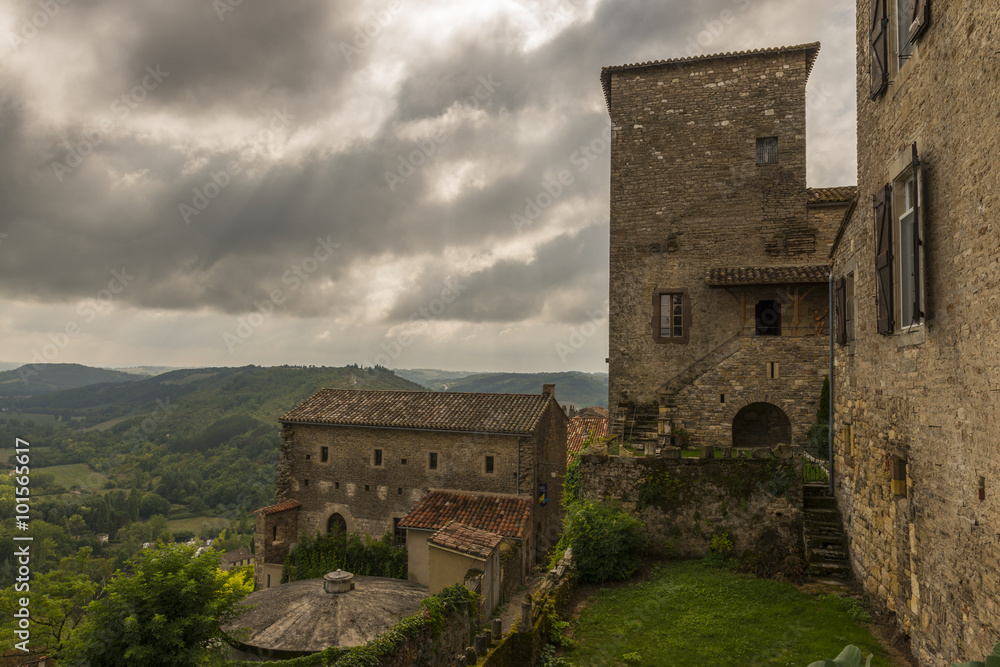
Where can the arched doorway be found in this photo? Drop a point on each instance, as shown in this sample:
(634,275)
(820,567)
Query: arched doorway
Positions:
(336,524)
(761,425)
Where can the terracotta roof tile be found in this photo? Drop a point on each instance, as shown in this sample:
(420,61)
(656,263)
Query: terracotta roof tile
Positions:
(236,556)
(844,194)
(811,50)
(769,275)
(594,412)
(579,429)
(504,515)
(280,507)
(449,411)
(466,539)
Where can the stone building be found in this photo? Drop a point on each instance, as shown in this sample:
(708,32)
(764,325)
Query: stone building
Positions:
(917,376)
(361,460)
(719,252)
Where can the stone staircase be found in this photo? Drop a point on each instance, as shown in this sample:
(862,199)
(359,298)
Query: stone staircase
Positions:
(824,537)
(639,425)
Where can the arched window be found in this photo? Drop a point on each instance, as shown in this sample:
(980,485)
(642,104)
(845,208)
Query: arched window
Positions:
(336,524)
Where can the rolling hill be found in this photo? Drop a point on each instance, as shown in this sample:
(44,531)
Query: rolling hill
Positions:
(35,379)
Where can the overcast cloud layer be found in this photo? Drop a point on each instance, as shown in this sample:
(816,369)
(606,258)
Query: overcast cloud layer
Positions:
(190,182)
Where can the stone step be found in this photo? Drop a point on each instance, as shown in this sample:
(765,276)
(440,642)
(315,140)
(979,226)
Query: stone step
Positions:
(816,489)
(819,515)
(819,502)
(827,555)
(819,541)
(837,569)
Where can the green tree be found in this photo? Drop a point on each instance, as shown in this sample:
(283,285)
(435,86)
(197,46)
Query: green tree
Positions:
(605,540)
(169,611)
(58,600)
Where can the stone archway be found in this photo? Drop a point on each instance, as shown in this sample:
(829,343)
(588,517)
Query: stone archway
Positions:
(761,425)
(336,523)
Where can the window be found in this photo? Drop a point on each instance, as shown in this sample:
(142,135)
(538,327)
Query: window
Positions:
(402,461)
(894,26)
(432,460)
(336,485)
(849,307)
(489,465)
(671,316)
(398,532)
(274,533)
(899,249)
(324,454)
(772,370)
(767,318)
(377,458)
(767,150)
(904,47)
(305,482)
(898,477)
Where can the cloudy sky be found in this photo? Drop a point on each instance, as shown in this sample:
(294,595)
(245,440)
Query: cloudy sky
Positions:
(199,182)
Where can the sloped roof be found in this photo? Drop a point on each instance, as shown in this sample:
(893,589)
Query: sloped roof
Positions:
(768,275)
(236,556)
(280,507)
(435,410)
(811,50)
(593,412)
(579,429)
(843,194)
(467,540)
(504,515)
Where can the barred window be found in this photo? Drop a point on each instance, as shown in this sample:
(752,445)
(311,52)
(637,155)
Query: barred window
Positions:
(767,150)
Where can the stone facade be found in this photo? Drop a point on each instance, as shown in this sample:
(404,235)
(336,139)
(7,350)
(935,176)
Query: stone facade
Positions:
(689,196)
(915,409)
(331,471)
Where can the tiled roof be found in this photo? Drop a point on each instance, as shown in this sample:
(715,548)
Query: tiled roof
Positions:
(769,275)
(280,507)
(811,50)
(594,412)
(438,410)
(843,194)
(579,429)
(466,539)
(504,515)
(236,556)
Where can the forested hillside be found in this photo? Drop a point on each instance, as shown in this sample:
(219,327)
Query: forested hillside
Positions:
(572,387)
(33,379)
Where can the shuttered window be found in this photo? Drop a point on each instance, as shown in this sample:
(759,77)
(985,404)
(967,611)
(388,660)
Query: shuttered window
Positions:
(921,16)
(840,302)
(910,243)
(883,260)
(879,41)
(904,14)
(671,316)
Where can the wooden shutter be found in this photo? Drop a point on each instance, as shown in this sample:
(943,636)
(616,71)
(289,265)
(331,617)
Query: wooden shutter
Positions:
(921,16)
(883,259)
(918,313)
(879,40)
(840,301)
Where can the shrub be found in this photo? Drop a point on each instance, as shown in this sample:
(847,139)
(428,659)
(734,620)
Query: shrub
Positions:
(605,540)
(313,557)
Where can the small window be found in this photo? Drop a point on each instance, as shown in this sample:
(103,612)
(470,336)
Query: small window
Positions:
(904,18)
(489,465)
(367,487)
(898,477)
(432,460)
(772,370)
(767,317)
(399,532)
(399,491)
(722,399)
(670,317)
(402,461)
(377,458)
(324,454)
(849,307)
(268,581)
(305,482)
(308,456)
(767,150)
(274,533)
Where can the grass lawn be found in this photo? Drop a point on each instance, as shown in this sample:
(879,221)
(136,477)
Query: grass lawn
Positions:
(195,523)
(689,613)
(75,474)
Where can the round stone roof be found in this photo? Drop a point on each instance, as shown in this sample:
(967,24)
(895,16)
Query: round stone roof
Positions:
(300,617)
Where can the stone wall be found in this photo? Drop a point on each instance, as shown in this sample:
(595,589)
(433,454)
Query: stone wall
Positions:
(273,534)
(684,502)
(930,397)
(687,194)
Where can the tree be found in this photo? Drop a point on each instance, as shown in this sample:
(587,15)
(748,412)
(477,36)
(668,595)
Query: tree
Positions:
(58,599)
(169,611)
(151,504)
(605,540)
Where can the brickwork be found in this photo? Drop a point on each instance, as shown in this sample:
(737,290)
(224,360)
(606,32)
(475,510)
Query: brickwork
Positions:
(928,397)
(687,196)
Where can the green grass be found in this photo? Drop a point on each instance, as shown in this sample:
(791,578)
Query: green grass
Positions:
(689,613)
(75,474)
(195,523)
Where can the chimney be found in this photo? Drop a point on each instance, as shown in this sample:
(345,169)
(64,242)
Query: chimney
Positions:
(548,390)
